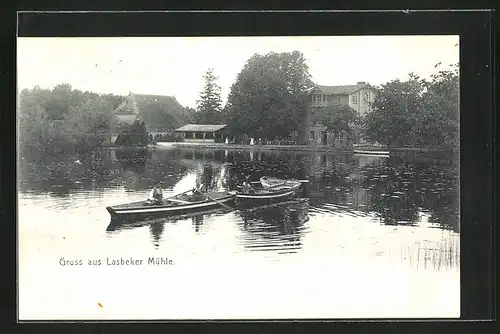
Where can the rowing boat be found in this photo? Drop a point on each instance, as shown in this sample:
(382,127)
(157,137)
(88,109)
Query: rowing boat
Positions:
(117,224)
(274,193)
(271,182)
(178,204)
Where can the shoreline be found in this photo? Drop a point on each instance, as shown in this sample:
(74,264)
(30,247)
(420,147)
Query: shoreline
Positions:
(241,147)
(360,149)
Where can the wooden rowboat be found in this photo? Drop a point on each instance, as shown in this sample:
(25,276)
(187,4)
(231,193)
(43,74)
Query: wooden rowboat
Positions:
(175,205)
(270,182)
(275,193)
(117,223)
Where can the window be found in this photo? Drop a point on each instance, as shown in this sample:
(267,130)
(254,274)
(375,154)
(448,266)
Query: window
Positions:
(365,96)
(354,99)
(317,98)
(311,134)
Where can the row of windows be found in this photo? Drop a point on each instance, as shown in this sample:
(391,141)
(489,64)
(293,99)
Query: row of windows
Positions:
(322,98)
(354,98)
(198,135)
(311,135)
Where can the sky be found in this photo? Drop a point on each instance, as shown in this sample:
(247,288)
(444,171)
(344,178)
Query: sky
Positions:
(175,65)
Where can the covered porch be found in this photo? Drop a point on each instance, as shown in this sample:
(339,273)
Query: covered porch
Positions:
(210,133)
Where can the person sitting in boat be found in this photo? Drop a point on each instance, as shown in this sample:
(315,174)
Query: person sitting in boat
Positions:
(156,195)
(198,191)
(247,188)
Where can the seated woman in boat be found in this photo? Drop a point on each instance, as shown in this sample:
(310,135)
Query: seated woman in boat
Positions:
(156,195)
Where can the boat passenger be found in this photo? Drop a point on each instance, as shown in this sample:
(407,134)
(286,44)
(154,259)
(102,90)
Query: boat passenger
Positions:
(156,195)
(197,192)
(247,188)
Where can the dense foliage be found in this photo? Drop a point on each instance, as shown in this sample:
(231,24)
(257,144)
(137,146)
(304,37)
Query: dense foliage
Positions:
(63,120)
(417,113)
(267,99)
(133,135)
(209,106)
(336,117)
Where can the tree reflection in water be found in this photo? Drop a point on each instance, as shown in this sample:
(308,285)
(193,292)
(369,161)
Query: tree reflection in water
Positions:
(398,190)
(277,227)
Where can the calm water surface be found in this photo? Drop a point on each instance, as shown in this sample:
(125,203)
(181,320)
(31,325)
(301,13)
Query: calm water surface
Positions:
(368,236)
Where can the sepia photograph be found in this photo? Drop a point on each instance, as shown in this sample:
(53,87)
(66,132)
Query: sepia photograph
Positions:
(247,178)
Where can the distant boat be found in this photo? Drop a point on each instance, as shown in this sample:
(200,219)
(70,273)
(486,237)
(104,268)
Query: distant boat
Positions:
(178,204)
(272,193)
(268,182)
(370,152)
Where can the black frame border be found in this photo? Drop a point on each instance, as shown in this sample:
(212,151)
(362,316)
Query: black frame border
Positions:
(475,28)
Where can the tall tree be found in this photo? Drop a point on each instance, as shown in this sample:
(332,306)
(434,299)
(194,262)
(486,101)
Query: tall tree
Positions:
(417,112)
(267,98)
(210,104)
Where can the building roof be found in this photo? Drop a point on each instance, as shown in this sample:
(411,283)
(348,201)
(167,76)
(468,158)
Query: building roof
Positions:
(340,90)
(127,118)
(200,128)
(139,106)
(127,112)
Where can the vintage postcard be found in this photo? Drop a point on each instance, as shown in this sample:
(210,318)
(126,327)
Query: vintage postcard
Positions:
(195,178)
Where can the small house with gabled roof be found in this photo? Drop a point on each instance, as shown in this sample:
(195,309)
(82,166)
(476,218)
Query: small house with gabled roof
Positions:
(210,133)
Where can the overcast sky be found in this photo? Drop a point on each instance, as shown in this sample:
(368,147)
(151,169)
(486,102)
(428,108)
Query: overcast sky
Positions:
(175,65)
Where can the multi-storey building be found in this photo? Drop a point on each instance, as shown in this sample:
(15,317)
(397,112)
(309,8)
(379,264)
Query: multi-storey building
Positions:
(359,97)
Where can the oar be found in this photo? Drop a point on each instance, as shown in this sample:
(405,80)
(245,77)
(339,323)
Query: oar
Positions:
(301,181)
(166,199)
(182,193)
(216,201)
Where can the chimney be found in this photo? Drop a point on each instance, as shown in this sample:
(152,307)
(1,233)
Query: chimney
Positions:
(361,83)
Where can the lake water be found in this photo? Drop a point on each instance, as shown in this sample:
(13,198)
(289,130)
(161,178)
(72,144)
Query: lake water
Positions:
(367,237)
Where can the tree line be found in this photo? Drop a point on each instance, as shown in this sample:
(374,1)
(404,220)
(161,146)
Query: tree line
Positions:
(422,113)
(63,120)
(268,97)
(267,100)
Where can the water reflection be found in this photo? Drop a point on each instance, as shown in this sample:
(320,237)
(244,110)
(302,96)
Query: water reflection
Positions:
(156,229)
(277,227)
(394,192)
